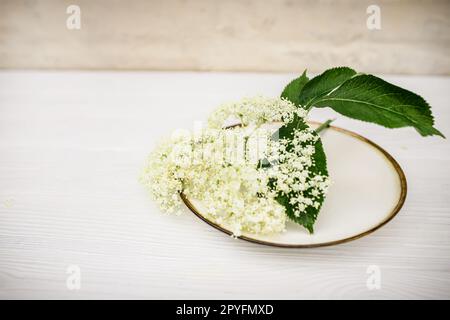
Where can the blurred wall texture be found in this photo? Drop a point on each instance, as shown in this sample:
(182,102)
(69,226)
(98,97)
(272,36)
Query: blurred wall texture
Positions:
(227,35)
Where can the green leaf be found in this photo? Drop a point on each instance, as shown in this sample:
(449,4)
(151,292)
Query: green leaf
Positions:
(371,99)
(287,131)
(308,217)
(324,84)
(358,96)
(292,91)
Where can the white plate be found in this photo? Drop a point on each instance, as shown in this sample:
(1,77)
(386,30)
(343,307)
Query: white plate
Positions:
(368,189)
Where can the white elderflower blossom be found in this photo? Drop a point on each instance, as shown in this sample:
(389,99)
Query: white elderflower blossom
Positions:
(221,170)
(293,175)
(255,111)
(234,193)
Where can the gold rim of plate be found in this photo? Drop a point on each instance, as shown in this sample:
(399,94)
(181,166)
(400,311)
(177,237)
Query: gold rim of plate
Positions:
(392,214)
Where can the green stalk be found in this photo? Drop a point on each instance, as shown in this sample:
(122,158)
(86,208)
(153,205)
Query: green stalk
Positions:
(324,125)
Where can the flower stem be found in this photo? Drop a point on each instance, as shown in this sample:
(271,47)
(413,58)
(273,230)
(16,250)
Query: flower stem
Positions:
(245,147)
(324,125)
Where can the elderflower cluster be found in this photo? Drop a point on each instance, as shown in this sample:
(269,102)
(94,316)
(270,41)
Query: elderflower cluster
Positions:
(293,174)
(220,169)
(233,191)
(255,111)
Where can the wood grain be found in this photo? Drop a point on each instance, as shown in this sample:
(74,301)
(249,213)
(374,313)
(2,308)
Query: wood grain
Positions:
(73,143)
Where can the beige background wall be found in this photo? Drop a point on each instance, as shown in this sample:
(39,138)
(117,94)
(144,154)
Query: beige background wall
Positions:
(245,35)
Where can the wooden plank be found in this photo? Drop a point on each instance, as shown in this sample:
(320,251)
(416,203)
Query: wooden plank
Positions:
(71,148)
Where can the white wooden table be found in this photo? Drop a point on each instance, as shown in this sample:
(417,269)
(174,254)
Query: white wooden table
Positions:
(72,145)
